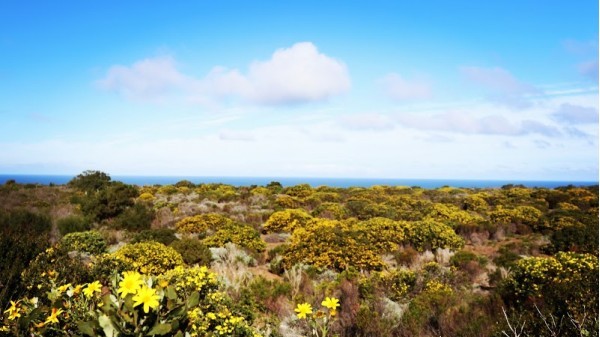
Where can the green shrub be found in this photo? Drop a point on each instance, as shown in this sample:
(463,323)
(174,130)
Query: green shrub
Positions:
(23,235)
(462,257)
(506,257)
(73,223)
(149,257)
(138,217)
(163,235)
(193,251)
(90,242)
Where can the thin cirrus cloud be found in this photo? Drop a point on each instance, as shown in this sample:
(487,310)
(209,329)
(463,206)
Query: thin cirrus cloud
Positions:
(298,74)
(399,88)
(575,114)
(367,121)
(502,86)
(589,69)
(455,122)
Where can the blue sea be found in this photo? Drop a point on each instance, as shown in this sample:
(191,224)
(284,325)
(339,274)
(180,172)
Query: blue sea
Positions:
(291,181)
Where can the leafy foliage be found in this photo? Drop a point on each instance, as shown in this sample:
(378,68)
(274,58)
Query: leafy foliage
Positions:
(23,235)
(73,223)
(193,251)
(163,235)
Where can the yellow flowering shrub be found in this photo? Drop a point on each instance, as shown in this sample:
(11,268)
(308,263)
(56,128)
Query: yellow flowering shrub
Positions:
(181,302)
(146,196)
(564,275)
(452,215)
(383,234)
(202,222)
(149,257)
(287,220)
(330,210)
(430,234)
(331,244)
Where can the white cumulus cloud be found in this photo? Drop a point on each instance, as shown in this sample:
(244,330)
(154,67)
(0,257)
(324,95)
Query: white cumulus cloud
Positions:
(298,74)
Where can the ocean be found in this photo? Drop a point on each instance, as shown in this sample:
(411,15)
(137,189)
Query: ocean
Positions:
(291,181)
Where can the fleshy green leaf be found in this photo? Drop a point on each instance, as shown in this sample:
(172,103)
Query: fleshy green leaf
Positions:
(107,326)
(193,300)
(160,329)
(86,328)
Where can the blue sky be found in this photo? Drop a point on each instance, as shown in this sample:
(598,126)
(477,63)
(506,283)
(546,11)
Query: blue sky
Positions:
(390,89)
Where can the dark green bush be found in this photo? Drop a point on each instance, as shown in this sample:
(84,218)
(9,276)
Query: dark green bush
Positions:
(72,224)
(461,258)
(163,235)
(138,217)
(193,251)
(506,257)
(23,235)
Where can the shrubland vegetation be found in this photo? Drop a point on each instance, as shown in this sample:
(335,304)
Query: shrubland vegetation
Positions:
(102,258)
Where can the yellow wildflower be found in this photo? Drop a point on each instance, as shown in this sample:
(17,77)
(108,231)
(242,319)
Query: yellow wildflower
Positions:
(53,318)
(64,288)
(94,287)
(331,303)
(303,309)
(131,283)
(146,296)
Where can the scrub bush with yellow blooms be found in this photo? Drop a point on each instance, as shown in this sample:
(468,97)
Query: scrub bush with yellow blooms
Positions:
(202,222)
(149,257)
(287,220)
(318,323)
(564,285)
(331,244)
(180,302)
(568,278)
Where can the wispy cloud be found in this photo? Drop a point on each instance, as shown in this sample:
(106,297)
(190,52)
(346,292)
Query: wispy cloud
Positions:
(367,121)
(298,74)
(503,87)
(149,79)
(576,114)
(589,69)
(398,88)
(236,135)
(463,123)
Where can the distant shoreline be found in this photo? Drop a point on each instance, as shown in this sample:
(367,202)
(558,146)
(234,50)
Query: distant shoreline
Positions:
(290,181)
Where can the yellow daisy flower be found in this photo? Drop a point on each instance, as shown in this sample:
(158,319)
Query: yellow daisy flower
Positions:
(303,309)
